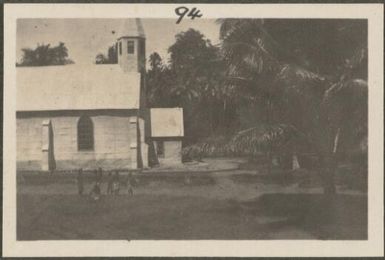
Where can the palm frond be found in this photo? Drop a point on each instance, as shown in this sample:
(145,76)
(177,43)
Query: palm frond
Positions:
(293,74)
(214,146)
(229,25)
(246,47)
(355,88)
(346,103)
(258,139)
(301,84)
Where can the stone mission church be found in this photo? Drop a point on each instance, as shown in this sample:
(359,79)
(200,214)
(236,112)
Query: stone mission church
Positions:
(74,116)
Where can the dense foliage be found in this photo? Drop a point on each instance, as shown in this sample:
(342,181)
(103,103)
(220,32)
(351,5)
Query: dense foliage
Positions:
(111,58)
(45,55)
(193,78)
(311,79)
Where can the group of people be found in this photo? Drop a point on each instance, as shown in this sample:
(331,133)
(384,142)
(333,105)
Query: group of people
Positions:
(113,183)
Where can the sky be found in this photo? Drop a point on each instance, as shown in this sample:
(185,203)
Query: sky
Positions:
(85,38)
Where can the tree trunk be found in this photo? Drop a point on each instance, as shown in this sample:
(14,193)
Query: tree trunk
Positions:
(336,141)
(294,163)
(269,161)
(270,152)
(212,120)
(328,184)
(329,165)
(326,173)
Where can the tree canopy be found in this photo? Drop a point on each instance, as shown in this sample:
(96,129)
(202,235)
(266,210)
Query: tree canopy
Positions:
(193,79)
(110,58)
(311,77)
(45,55)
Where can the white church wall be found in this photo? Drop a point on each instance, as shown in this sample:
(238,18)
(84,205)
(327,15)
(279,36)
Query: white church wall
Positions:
(112,140)
(29,143)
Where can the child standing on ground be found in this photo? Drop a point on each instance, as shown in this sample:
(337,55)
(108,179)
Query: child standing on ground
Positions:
(110,181)
(79,180)
(116,183)
(99,175)
(129,184)
(95,192)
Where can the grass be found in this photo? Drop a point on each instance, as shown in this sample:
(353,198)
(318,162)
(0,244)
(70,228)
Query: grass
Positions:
(212,206)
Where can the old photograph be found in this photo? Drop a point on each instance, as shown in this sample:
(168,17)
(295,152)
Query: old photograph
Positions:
(255,130)
(197,128)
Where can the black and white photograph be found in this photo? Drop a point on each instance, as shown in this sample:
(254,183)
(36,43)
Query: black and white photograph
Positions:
(188,128)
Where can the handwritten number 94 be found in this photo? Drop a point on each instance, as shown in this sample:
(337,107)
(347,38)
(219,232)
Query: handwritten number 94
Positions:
(183,11)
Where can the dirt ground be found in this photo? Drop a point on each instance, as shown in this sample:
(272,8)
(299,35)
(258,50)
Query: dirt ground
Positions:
(227,205)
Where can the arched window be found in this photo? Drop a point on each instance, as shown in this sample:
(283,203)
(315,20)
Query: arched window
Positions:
(85,134)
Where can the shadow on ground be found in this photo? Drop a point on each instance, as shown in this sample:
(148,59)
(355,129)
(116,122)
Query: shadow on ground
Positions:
(338,217)
(271,216)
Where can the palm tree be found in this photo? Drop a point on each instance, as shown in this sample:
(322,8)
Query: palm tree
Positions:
(101,59)
(308,99)
(45,55)
(61,53)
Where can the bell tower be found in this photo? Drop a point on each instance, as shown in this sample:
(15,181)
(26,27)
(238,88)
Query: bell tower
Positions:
(131,46)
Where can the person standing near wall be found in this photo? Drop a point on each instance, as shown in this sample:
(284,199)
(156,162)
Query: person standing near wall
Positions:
(96,175)
(110,181)
(99,175)
(130,181)
(79,180)
(95,192)
(116,183)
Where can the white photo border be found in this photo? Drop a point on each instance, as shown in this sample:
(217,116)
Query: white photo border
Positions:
(238,248)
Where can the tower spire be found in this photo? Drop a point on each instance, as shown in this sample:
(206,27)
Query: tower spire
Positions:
(131,27)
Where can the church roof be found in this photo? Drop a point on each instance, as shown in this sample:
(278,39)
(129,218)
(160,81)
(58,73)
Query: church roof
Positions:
(167,122)
(131,27)
(76,87)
